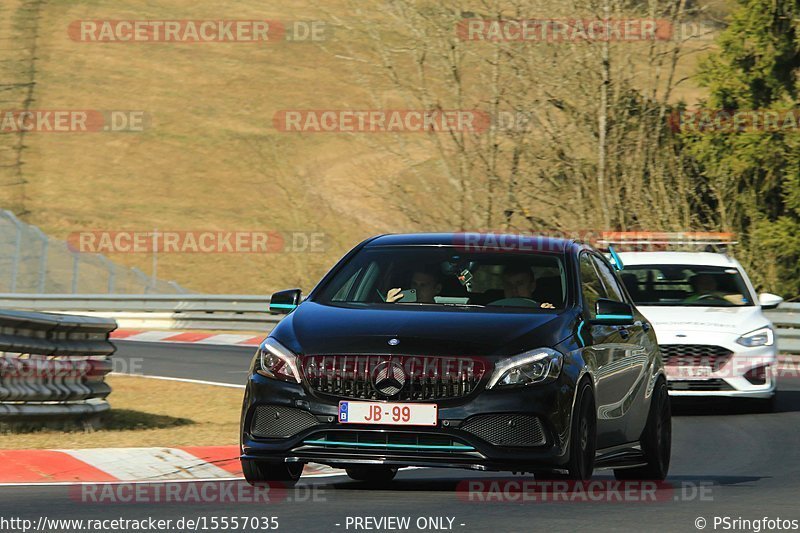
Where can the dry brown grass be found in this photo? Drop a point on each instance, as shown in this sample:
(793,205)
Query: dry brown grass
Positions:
(150,412)
(210,158)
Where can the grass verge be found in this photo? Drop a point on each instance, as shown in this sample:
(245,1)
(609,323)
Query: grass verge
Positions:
(147,412)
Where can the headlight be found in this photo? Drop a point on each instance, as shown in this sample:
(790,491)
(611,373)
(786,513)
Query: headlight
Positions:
(277,362)
(760,337)
(535,366)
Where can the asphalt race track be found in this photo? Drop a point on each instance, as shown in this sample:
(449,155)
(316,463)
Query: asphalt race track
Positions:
(204,362)
(726,462)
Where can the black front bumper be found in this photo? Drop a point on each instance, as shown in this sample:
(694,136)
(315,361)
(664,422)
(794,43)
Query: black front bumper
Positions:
(322,439)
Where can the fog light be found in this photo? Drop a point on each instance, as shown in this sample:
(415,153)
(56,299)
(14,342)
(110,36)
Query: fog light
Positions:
(757,375)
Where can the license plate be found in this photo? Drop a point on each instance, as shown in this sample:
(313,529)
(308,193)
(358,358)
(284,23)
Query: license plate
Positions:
(689,372)
(391,414)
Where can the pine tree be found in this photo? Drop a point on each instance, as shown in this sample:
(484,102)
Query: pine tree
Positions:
(754,175)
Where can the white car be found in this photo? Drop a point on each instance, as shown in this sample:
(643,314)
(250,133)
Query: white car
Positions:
(713,335)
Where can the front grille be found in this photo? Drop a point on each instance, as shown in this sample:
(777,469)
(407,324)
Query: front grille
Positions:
(396,377)
(390,441)
(506,430)
(275,422)
(707,385)
(695,355)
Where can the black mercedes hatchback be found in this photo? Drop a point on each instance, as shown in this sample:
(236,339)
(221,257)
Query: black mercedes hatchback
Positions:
(478,351)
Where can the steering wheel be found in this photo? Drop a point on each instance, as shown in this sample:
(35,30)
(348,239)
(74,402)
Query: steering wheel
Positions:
(516,302)
(713,297)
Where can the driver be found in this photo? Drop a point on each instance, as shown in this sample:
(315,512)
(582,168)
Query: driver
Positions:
(427,284)
(519,282)
(705,288)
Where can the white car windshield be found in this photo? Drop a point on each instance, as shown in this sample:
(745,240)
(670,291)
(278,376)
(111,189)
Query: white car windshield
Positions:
(686,285)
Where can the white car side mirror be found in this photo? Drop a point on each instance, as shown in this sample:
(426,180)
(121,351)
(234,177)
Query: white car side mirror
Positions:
(768,300)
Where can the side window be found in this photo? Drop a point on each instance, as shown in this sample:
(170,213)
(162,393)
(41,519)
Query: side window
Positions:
(343,293)
(591,286)
(609,281)
(366,283)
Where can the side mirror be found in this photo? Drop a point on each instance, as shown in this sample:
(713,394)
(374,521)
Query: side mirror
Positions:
(611,313)
(769,301)
(284,302)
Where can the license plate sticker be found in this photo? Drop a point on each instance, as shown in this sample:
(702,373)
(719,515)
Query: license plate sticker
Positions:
(391,414)
(689,372)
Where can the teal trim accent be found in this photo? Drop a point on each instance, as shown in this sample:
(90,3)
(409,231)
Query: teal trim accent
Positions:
(580,327)
(616,259)
(283,306)
(460,447)
(614,317)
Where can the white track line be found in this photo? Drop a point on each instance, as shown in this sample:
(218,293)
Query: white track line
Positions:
(182,380)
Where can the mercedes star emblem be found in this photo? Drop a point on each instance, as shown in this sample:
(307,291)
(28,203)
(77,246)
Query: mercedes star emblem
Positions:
(389,377)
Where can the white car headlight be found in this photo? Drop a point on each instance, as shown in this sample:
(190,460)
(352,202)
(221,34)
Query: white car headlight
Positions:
(760,337)
(276,361)
(534,366)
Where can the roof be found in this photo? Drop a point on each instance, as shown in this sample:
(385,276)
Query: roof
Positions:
(475,241)
(677,258)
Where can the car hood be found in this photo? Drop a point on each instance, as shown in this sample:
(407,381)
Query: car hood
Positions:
(315,328)
(733,320)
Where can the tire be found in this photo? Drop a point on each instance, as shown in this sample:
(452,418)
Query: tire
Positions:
(765,405)
(583,437)
(372,474)
(260,472)
(656,439)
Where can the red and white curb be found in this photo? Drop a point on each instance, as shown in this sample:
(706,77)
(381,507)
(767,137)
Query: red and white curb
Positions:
(191,337)
(111,465)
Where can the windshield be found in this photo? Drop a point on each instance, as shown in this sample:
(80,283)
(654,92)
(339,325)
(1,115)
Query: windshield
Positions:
(417,276)
(686,285)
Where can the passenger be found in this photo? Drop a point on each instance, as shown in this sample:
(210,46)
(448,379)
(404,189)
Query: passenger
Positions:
(425,281)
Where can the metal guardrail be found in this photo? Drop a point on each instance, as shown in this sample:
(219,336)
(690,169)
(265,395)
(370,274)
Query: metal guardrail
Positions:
(53,365)
(157,311)
(786,319)
(247,312)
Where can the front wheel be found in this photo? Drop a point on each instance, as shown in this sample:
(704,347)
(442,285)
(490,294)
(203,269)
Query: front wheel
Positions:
(656,439)
(260,472)
(583,438)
